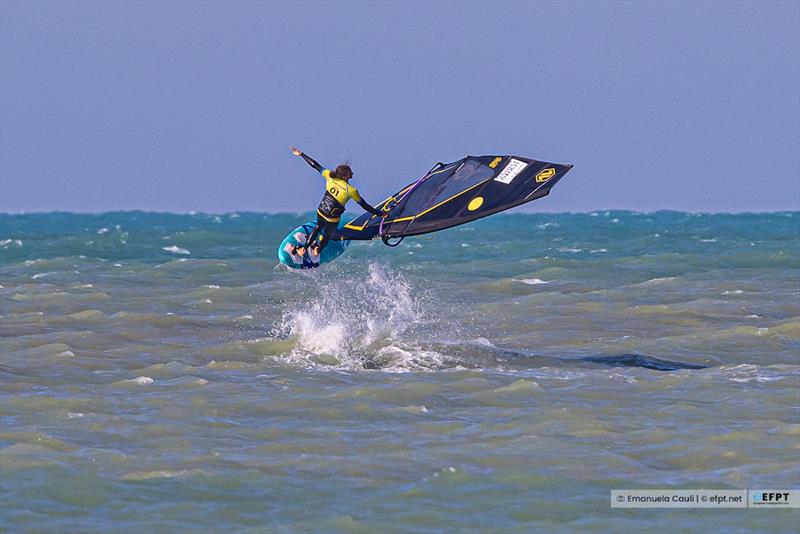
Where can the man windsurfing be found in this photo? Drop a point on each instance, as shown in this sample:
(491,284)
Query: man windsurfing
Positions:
(338,192)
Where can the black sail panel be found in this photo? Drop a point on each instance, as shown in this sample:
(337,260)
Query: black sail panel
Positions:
(457,193)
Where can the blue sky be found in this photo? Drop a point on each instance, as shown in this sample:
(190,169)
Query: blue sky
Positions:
(183,106)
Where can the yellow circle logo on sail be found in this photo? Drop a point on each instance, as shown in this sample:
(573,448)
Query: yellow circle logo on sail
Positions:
(475,203)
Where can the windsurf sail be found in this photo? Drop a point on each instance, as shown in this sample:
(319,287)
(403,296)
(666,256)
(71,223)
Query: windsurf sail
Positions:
(456,193)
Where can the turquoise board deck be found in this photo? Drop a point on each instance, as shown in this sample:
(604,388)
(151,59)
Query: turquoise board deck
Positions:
(298,237)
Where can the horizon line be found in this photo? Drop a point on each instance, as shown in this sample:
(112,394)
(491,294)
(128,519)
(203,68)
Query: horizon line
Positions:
(298,213)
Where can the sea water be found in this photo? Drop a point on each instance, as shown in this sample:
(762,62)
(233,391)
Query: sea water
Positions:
(159,373)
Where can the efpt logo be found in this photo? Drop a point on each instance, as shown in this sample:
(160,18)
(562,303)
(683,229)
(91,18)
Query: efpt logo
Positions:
(770,497)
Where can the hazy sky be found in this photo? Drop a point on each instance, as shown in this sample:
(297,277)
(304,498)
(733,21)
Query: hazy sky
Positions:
(191,105)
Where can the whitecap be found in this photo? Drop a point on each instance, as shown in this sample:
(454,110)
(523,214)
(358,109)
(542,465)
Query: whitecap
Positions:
(450,469)
(5,243)
(103,231)
(532,281)
(415,409)
(175,250)
(142,380)
(148,475)
(657,280)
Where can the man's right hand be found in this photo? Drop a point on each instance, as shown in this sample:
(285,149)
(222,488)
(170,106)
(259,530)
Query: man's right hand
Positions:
(295,151)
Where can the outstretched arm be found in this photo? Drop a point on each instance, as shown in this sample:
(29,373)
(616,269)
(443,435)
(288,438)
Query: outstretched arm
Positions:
(367,207)
(309,159)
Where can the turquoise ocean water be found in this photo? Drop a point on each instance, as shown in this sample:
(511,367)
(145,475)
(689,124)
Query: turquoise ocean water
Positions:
(159,374)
